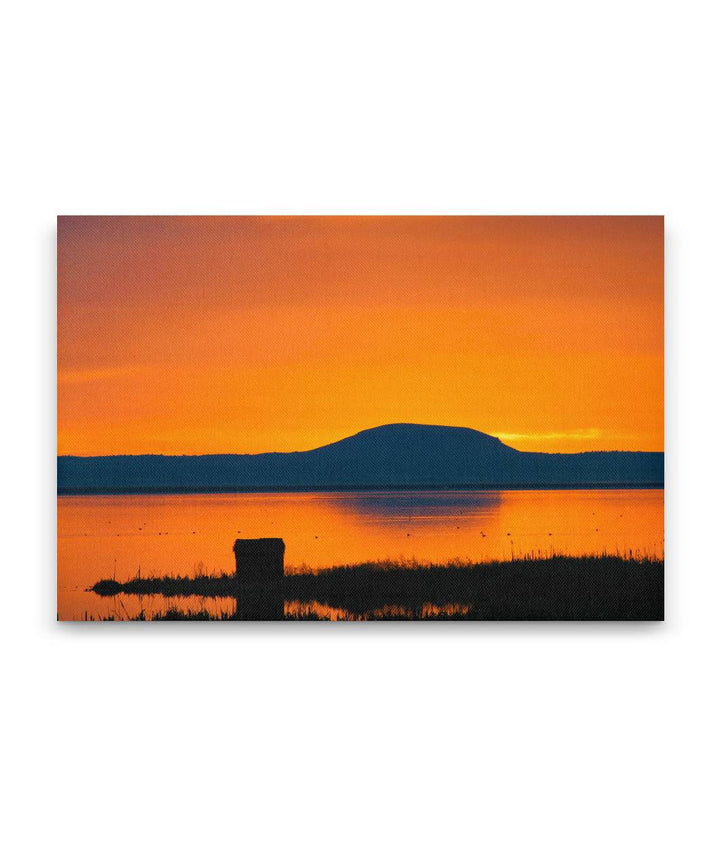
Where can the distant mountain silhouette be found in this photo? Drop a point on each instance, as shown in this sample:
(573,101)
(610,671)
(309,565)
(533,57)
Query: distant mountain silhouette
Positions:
(401,455)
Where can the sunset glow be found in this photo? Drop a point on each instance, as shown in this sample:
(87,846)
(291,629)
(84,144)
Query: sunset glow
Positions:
(185,335)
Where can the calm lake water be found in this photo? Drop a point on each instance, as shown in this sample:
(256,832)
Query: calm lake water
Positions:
(102,536)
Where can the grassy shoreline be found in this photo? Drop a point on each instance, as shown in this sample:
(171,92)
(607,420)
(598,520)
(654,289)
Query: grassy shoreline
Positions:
(553,588)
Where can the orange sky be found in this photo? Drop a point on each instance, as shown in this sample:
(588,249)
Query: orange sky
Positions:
(241,334)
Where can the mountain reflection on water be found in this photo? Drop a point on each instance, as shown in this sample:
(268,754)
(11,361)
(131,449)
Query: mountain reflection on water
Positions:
(419,507)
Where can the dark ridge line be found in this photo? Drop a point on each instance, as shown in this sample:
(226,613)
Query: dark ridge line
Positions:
(230,489)
(321,448)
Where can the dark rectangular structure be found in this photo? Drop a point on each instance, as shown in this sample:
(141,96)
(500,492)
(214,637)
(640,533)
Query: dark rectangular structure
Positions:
(259,559)
(259,570)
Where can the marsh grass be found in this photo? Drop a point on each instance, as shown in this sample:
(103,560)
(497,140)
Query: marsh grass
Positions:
(555,587)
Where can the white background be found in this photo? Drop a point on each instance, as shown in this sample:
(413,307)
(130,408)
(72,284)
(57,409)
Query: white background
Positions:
(359,739)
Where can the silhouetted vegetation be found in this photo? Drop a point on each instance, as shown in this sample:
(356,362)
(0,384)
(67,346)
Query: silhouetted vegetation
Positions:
(202,585)
(606,587)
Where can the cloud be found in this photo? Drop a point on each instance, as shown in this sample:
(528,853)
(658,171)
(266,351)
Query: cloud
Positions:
(575,434)
(89,375)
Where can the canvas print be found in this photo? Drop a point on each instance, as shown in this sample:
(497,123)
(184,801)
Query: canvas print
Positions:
(360,418)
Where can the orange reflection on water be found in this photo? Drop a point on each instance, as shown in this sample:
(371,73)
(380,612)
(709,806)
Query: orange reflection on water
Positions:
(121,536)
(313,609)
(128,607)
(322,611)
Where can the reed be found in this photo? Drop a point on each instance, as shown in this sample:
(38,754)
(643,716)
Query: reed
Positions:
(555,587)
